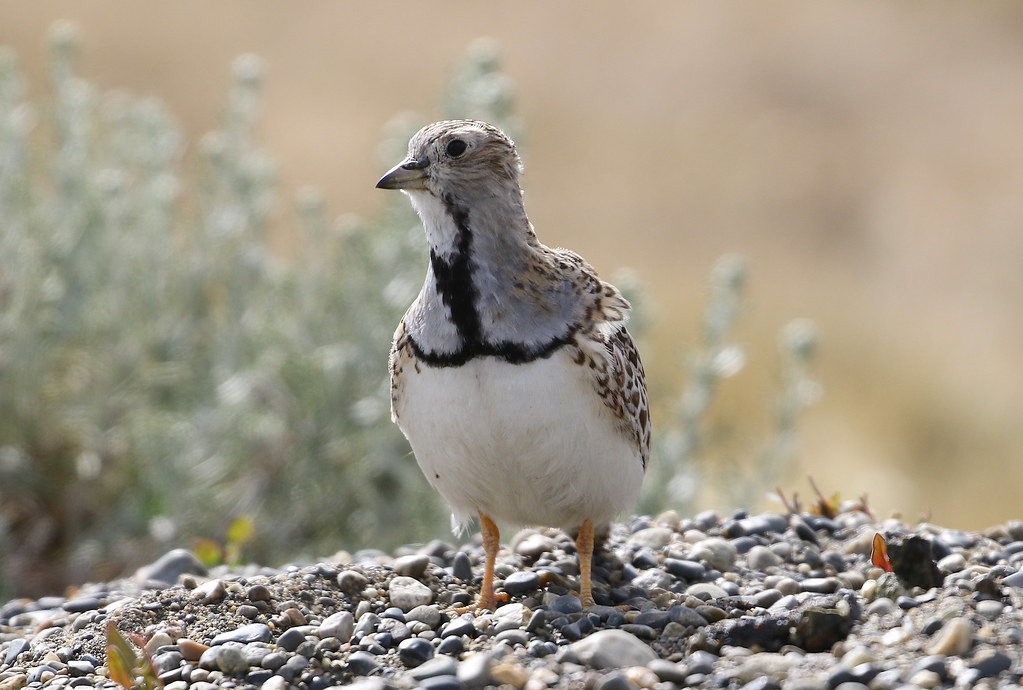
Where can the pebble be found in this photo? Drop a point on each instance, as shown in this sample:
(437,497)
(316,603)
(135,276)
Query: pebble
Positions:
(351,582)
(407,593)
(230,660)
(15,649)
(690,571)
(521,582)
(990,609)
(169,567)
(254,632)
(412,565)
(340,625)
(612,649)
(534,545)
(761,558)
(81,604)
(718,553)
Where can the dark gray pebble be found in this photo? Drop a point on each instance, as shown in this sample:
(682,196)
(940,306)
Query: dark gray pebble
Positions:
(451,645)
(274,660)
(290,639)
(461,567)
(644,559)
(744,544)
(522,582)
(459,626)
(905,603)
(414,651)
(81,604)
(687,616)
(566,603)
(690,571)
(514,636)
(537,621)
(169,567)
(764,524)
(293,667)
(700,662)
(254,632)
(990,662)
(393,612)
(653,619)
(17,647)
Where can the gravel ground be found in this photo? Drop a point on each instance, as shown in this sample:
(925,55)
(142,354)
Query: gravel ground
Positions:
(764,601)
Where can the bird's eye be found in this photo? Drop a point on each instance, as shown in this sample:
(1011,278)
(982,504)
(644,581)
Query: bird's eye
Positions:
(456,147)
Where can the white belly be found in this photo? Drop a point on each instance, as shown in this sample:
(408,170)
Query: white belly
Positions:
(530,443)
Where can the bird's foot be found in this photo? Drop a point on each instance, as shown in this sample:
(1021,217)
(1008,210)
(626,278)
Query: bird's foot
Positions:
(483,604)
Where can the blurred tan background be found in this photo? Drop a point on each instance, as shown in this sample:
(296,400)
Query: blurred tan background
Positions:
(866,158)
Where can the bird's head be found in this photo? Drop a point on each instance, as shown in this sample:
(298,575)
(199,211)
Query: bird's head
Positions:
(456,158)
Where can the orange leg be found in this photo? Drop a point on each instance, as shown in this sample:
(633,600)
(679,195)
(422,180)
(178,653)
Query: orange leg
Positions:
(491,543)
(584,551)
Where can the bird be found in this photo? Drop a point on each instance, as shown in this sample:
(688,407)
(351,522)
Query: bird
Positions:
(513,374)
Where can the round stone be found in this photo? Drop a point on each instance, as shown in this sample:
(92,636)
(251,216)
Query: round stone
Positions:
(412,565)
(761,558)
(414,652)
(407,593)
(612,649)
(231,660)
(428,615)
(521,582)
(716,552)
(690,571)
(169,567)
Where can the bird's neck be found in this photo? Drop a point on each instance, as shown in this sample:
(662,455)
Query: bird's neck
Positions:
(472,303)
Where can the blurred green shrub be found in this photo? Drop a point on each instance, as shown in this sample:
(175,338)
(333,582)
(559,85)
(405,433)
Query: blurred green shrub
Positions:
(162,373)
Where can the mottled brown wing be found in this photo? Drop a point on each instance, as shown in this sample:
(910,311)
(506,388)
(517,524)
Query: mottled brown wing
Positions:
(629,382)
(604,345)
(401,357)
